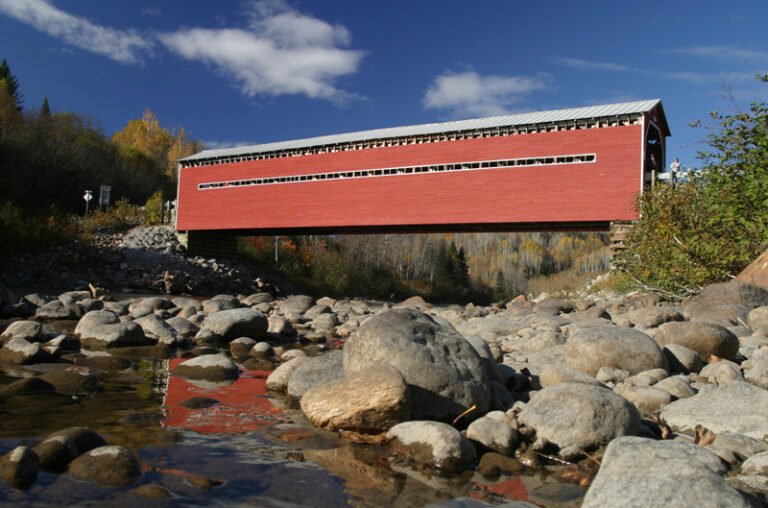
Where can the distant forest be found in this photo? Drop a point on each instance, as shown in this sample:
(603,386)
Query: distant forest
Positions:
(458,268)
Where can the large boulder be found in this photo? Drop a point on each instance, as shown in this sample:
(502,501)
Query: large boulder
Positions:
(576,416)
(29,330)
(433,444)
(60,448)
(372,400)
(705,338)
(22,352)
(103,329)
(156,328)
(444,373)
(295,305)
(317,371)
(638,472)
(756,273)
(735,407)
(592,347)
(233,323)
(108,465)
(19,467)
(734,292)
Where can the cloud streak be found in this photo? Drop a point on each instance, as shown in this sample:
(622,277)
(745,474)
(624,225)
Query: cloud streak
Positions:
(472,94)
(280,52)
(727,53)
(124,46)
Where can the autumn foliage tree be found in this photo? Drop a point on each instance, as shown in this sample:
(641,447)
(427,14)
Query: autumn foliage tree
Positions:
(158,146)
(709,228)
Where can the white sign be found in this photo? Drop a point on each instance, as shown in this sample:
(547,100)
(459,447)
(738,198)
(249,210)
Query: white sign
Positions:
(87,196)
(104,193)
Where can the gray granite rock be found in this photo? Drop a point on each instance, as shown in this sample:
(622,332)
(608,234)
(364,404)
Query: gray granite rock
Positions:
(736,407)
(369,401)
(638,472)
(233,323)
(578,416)
(318,370)
(592,347)
(445,374)
(706,339)
(433,444)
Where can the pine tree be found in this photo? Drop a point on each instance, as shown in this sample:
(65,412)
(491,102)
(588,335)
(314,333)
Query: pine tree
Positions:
(462,269)
(45,109)
(500,290)
(11,84)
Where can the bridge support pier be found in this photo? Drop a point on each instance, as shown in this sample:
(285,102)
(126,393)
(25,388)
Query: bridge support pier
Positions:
(618,234)
(217,244)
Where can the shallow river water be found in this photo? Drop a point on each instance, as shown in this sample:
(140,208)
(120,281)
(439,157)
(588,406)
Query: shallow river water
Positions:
(235,446)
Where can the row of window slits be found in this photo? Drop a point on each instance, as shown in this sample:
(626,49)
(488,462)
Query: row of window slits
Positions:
(410,170)
(591,123)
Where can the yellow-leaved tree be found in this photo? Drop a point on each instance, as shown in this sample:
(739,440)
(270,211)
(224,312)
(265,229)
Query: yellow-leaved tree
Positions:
(162,146)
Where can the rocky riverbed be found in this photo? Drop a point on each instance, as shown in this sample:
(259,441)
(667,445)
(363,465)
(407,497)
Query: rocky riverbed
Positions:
(140,260)
(594,401)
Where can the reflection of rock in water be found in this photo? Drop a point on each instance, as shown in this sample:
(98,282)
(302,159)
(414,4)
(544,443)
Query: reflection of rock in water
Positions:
(365,471)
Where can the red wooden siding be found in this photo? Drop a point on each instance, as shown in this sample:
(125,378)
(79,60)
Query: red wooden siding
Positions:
(601,191)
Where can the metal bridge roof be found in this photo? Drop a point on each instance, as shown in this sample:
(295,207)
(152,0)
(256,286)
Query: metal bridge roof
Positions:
(539,117)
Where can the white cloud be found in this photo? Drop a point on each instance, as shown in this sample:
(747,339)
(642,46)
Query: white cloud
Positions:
(216,144)
(578,63)
(727,53)
(281,52)
(471,94)
(125,46)
(152,12)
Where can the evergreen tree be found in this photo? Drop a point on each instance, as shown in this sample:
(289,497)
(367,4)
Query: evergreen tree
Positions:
(462,269)
(11,84)
(500,290)
(45,109)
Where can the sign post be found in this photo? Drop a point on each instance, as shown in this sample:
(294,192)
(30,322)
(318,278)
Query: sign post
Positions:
(88,196)
(104,192)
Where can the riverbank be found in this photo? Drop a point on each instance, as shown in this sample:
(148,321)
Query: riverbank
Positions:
(598,400)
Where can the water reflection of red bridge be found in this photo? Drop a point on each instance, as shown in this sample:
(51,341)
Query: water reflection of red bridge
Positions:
(242,405)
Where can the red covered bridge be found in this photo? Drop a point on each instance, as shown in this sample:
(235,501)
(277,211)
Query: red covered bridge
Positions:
(577,168)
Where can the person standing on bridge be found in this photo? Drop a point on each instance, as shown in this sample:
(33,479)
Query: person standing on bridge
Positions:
(674,167)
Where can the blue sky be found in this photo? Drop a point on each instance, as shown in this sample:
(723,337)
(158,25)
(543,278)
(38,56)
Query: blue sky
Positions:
(239,72)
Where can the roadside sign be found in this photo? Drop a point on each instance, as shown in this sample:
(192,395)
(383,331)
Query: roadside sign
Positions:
(104,193)
(88,196)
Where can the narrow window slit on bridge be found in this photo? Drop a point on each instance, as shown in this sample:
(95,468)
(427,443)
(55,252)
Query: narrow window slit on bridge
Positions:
(463,166)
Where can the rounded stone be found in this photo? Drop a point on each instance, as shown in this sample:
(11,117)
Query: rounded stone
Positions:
(575,415)
(433,444)
(234,323)
(217,367)
(592,347)
(445,374)
(682,360)
(372,400)
(706,339)
(19,467)
(493,434)
(638,472)
(317,371)
(108,465)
